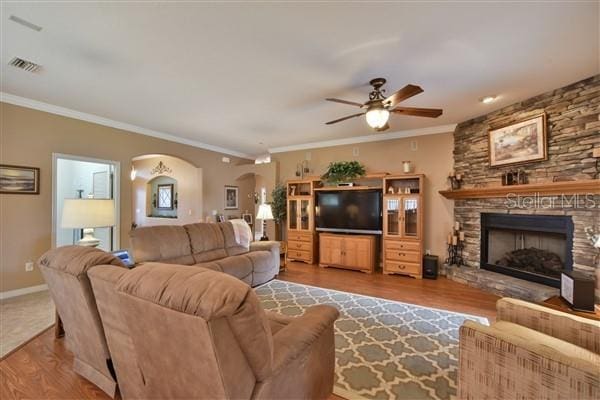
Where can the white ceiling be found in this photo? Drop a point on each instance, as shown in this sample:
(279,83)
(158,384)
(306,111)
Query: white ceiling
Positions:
(236,75)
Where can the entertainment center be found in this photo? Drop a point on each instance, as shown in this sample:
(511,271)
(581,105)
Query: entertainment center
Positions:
(378,222)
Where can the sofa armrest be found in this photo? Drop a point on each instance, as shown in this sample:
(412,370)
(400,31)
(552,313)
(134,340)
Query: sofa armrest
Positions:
(270,246)
(579,331)
(298,335)
(506,360)
(267,245)
(277,321)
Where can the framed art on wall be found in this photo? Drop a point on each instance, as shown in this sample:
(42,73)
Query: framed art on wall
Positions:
(19,180)
(520,142)
(248,218)
(231,197)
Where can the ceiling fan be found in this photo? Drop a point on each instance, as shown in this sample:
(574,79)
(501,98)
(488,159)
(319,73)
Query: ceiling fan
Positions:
(379,107)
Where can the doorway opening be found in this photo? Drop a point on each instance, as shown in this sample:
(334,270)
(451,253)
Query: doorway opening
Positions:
(75,177)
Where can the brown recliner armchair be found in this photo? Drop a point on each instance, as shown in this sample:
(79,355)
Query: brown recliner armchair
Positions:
(201,334)
(64,270)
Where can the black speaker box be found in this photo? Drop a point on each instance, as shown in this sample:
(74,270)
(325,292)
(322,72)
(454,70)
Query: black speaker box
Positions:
(430,267)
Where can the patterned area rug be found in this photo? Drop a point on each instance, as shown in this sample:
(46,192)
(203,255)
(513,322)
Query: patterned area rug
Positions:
(384,349)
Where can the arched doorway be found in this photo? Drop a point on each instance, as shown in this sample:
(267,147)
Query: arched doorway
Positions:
(167,190)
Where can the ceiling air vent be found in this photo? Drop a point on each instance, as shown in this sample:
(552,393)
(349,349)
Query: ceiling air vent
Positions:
(25,65)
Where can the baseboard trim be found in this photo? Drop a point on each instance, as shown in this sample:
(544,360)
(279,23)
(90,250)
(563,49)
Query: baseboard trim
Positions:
(20,292)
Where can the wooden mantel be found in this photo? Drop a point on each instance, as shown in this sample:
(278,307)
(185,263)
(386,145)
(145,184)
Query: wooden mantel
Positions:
(591,186)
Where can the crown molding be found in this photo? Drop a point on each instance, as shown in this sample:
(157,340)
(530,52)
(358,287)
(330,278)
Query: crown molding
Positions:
(367,138)
(67,112)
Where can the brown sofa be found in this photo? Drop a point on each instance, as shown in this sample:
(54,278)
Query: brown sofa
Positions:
(208,245)
(191,332)
(65,271)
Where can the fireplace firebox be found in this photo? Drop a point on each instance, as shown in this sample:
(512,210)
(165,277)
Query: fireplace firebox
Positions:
(536,248)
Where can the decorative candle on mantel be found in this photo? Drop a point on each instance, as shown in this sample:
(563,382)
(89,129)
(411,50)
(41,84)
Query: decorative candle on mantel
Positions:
(457,226)
(454,240)
(449,238)
(461,236)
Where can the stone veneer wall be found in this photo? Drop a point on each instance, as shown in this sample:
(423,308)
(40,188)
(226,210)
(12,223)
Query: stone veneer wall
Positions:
(573,124)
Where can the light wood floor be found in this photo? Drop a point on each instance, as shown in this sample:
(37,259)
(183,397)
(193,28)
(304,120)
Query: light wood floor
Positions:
(42,369)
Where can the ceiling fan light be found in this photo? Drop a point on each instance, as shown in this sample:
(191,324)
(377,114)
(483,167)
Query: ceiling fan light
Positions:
(377,117)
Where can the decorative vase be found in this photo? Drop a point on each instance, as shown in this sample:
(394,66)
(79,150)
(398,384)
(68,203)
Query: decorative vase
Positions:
(407,166)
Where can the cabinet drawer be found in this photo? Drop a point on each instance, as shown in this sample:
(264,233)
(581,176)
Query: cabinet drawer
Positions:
(399,245)
(294,245)
(299,237)
(403,267)
(403,255)
(299,255)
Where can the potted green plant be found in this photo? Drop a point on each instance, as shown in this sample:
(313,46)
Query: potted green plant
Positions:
(343,171)
(279,207)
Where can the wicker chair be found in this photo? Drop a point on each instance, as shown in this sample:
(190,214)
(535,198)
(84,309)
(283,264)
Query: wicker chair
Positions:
(530,352)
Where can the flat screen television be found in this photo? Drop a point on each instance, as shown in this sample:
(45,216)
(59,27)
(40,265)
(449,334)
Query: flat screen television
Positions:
(352,211)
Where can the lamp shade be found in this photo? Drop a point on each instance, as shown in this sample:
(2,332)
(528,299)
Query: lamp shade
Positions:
(264,212)
(88,213)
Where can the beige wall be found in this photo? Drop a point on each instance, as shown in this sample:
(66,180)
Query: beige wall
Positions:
(433,158)
(29,137)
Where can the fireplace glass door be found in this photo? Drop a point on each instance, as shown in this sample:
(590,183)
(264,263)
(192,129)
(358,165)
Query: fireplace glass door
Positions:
(532,252)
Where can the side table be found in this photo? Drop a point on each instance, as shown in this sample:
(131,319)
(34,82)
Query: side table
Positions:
(557,303)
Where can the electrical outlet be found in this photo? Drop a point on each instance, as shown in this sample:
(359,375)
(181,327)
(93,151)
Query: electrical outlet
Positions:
(29,266)
(308,156)
(355,151)
(413,145)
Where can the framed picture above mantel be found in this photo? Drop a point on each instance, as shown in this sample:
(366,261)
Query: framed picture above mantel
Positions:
(518,143)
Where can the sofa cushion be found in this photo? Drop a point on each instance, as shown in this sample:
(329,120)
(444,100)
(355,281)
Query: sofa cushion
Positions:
(169,244)
(238,266)
(261,260)
(231,246)
(210,265)
(207,242)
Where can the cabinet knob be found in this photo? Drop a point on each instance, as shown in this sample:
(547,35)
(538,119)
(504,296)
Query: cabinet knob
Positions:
(402,266)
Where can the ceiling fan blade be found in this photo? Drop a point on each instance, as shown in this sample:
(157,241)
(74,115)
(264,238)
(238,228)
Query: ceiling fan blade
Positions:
(352,103)
(343,119)
(418,112)
(402,94)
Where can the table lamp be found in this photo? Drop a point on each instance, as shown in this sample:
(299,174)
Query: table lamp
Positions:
(265,214)
(88,214)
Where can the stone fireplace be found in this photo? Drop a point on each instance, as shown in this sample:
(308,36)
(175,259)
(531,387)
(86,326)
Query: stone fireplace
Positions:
(517,246)
(536,248)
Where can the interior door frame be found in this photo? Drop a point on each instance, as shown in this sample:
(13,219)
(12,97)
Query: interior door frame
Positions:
(116,192)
